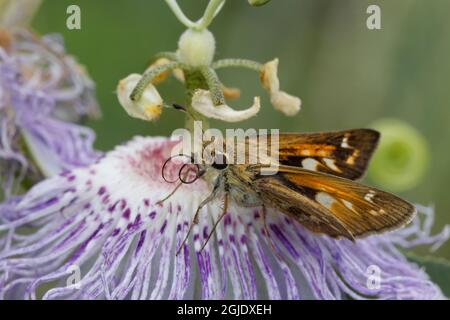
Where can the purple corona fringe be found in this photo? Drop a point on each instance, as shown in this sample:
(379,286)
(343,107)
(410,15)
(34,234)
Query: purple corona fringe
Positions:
(98,233)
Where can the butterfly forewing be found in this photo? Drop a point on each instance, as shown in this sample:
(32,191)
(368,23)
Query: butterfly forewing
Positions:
(333,205)
(343,153)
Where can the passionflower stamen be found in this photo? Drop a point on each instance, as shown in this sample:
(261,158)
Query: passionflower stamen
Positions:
(231,93)
(163,75)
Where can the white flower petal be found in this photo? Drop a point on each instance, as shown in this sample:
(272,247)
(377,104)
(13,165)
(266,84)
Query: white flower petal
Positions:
(202,102)
(148,108)
(286,103)
(179,75)
(269,76)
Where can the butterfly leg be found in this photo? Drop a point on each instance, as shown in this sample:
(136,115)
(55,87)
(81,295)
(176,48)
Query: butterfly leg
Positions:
(197,213)
(267,232)
(224,212)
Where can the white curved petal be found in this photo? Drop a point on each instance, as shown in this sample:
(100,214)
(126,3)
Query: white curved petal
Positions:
(148,108)
(179,75)
(269,76)
(282,101)
(202,102)
(286,103)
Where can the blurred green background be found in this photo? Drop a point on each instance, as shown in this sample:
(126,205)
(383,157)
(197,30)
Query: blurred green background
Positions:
(347,76)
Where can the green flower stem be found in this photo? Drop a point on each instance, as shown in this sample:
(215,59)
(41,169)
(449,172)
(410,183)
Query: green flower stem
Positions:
(3,7)
(213,8)
(166,54)
(173,5)
(239,63)
(14,13)
(194,80)
(214,85)
(150,75)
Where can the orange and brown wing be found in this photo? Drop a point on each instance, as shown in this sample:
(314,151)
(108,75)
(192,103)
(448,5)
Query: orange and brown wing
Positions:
(332,205)
(344,153)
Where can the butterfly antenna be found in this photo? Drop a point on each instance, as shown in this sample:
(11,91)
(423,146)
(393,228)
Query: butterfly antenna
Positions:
(184,109)
(188,112)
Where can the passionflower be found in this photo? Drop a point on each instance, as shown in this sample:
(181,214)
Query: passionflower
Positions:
(42,92)
(107,222)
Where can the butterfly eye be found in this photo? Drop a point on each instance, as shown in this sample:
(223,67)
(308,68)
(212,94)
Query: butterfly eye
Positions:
(220,162)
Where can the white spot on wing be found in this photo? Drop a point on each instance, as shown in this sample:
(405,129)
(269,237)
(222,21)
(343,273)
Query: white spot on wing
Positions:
(348,204)
(325,199)
(345,144)
(310,164)
(376,213)
(331,164)
(369,196)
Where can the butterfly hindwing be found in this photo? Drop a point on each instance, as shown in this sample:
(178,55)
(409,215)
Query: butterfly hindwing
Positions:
(333,205)
(299,207)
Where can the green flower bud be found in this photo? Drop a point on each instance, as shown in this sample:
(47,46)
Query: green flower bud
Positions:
(401,159)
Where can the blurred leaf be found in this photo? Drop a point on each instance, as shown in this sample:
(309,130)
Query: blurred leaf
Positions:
(437,268)
(258,3)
